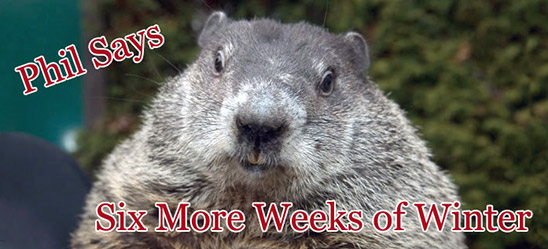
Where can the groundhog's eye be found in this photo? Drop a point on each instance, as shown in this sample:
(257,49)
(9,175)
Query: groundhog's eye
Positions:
(219,62)
(328,83)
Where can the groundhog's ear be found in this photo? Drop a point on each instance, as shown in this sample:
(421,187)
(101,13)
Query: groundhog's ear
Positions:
(359,52)
(214,22)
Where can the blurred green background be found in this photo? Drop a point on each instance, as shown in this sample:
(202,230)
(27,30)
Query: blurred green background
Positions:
(472,75)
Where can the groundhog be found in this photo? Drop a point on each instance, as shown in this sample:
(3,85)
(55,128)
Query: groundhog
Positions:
(272,113)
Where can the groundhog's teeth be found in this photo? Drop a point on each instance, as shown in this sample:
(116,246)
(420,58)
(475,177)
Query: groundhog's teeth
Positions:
(255,158)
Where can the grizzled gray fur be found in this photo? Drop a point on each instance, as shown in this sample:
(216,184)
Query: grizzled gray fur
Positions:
(272,112)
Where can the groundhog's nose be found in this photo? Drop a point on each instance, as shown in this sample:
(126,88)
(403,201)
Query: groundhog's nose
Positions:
(259,134)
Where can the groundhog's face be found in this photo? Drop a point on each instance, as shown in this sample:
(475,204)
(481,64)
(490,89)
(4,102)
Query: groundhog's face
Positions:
(271,103)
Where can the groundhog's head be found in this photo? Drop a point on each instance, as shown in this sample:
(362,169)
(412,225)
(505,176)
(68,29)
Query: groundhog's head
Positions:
(266,104)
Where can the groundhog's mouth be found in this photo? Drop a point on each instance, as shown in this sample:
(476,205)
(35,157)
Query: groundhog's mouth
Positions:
(257,161)
(254,168)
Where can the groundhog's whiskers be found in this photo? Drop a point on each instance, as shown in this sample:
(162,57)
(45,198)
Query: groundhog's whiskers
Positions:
(325,15)
(119,99)
(144,78)
(169,62)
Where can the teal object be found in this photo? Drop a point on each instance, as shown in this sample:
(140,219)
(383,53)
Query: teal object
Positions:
(33,28)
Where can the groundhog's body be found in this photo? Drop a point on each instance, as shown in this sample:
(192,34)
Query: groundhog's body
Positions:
(272,113)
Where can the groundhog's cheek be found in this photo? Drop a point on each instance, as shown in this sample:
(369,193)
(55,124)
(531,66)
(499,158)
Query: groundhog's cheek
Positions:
(299,150)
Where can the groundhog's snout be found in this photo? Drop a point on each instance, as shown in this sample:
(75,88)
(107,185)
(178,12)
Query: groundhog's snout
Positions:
(260,137)
(262,122)
(265,118)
